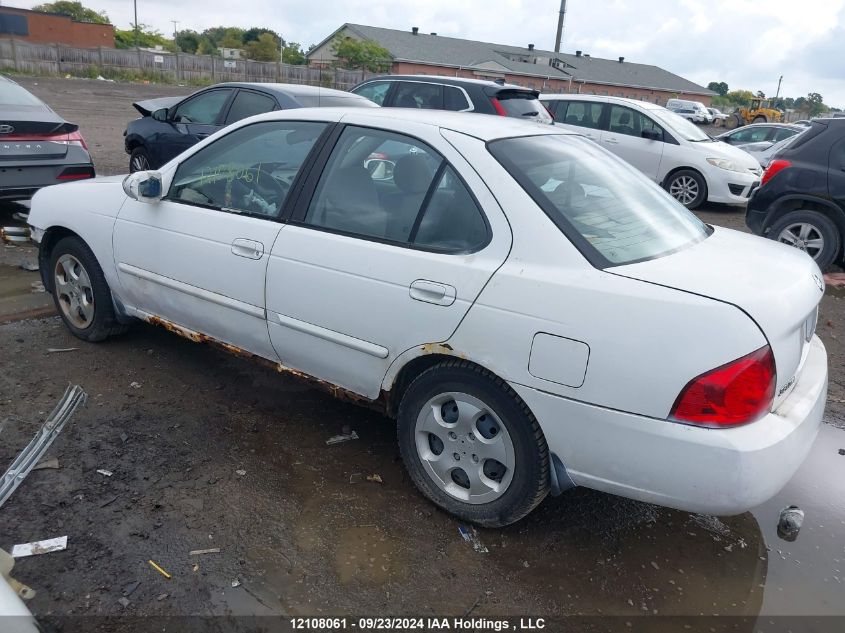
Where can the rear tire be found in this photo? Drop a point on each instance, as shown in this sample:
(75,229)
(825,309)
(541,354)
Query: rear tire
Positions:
(687,187)
(139,160)
(472,446)
(812,232)
(733,121)
(760,119)
(80,292)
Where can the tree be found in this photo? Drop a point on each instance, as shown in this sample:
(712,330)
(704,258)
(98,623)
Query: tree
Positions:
(293,54)
(206,47)
(739,97)
(74,10)
(816,104)
(148,37)
(361,54)
(188,41)
(233,38)
(251,35)
(264,49)
(719,87)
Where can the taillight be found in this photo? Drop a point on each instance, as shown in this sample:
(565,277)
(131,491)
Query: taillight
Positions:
(74,138)
(76,173)
(737,393)
(497,105)
(774,167)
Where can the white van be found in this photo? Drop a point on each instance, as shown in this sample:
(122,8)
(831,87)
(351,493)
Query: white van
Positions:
(669,149)
(696,106)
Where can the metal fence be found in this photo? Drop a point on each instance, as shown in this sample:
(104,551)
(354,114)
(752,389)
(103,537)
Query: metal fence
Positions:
(55,59)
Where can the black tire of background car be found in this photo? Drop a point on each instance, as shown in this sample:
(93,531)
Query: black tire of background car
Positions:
(105,323)
(530,483)
(699,179)
(138,153)
(823,224)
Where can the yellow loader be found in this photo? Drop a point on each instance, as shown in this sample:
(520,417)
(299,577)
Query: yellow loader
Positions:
(759,112)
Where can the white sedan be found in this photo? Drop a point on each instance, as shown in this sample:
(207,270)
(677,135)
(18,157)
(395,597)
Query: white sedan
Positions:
(534,312)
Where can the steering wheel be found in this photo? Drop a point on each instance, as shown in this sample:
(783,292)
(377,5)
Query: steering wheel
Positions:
(258,188)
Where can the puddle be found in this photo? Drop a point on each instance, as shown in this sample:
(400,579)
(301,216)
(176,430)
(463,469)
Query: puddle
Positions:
(365,554)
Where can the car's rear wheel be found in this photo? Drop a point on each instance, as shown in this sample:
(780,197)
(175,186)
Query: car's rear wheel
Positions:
(139,160)
(810,231)
(471,445)
(80,291)
(688,188)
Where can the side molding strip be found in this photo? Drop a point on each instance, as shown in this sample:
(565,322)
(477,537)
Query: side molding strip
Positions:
(326,334)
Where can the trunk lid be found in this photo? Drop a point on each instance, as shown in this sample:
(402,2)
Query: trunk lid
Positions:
(148,106)
(33,133)
(778,286)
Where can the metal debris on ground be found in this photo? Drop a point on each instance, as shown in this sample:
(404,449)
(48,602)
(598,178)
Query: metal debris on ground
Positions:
(129,589)
(162,596)
(159,569)
(7,563)
(344,437)
(471,536)
(37,286)
(61,350)
(200,552)
(15,234)
(39,547)
(20,216)
(790,522)
(195,568)
(236,583)
(135,385)
(104,472)
(47,462)
(375,478)
(240,472)
(108,501)
(29,266)
(124,601)
(72,399)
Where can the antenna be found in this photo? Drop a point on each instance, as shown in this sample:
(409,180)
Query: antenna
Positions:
(560,20)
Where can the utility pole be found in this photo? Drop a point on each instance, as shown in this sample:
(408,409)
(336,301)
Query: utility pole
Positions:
(175,22)
(560,25)
(779,82)
(135,3)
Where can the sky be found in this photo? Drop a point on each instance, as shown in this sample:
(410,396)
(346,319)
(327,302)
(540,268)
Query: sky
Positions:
(747,43)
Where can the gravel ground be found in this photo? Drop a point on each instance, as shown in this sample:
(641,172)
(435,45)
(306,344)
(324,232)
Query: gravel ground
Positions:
(209,451)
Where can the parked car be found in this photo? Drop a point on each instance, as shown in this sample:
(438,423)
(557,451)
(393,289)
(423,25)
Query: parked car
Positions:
(803,122)
(761,140)
(273,240)
(170,125)
(37,147)
(719,117)
(673,152)
(801,200)
(693,110)
(434,92)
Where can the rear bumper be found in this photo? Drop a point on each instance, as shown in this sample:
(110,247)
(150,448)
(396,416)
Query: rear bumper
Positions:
(20,182)
(712,471)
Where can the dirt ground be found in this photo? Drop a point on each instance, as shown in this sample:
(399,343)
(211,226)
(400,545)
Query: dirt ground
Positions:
(210,451)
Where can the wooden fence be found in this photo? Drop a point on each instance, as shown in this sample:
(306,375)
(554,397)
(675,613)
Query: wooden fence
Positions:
(56,59)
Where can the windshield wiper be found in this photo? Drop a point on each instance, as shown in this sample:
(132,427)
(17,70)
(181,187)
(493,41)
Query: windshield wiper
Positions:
(530,113)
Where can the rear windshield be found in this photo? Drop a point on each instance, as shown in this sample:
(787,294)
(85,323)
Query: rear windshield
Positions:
(610,211)
(11,94)
(523,105)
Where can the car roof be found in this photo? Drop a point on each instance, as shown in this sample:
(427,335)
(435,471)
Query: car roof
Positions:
(486,127)
(451,81)
(292,90)
(788,126)
(552,96)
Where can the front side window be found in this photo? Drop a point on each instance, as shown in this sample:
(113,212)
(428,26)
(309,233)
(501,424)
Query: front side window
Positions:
(612,213)
(390,187)
(204,109)
(375,91)
(247,104)
(631,123)
(249,171)
(418,95)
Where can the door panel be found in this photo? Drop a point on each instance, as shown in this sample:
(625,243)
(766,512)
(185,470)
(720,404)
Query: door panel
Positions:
(198,258)
(623,137)
(343,302)
(191,121)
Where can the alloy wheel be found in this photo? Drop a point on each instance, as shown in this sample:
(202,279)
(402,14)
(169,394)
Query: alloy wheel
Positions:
(139,163)
(74,291)
(684,189)
(803,236)
(464,448)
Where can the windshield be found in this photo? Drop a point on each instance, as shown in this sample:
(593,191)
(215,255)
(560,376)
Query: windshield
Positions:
(678,124)
(610,211)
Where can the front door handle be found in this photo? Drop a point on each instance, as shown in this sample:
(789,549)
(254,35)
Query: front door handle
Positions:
(433,292)
(247,248)
(203,135)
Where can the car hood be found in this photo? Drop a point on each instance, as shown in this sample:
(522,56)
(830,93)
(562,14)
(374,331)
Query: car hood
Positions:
(776,285)
(147,107)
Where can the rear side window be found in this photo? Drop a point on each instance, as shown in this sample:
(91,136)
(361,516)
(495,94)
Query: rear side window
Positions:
(523,105)
(389,187)
(375,91)
(584,114)
(454,99)
(611,212)
(783,133)
(418,95)
(247,104)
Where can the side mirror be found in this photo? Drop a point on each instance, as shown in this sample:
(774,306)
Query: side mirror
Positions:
(652,135)
(161,114)
(143,186)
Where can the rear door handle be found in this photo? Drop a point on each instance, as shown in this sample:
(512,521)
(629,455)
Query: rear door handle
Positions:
(433,292)
(247,248)
(202,135)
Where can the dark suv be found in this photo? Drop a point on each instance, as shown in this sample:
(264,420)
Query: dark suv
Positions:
(801,200)
(452,93)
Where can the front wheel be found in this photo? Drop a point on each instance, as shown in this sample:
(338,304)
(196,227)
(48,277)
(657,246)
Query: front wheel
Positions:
(472,446)
(688,188)
(80,291)
(139,160)
(760,119)
(810,231)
